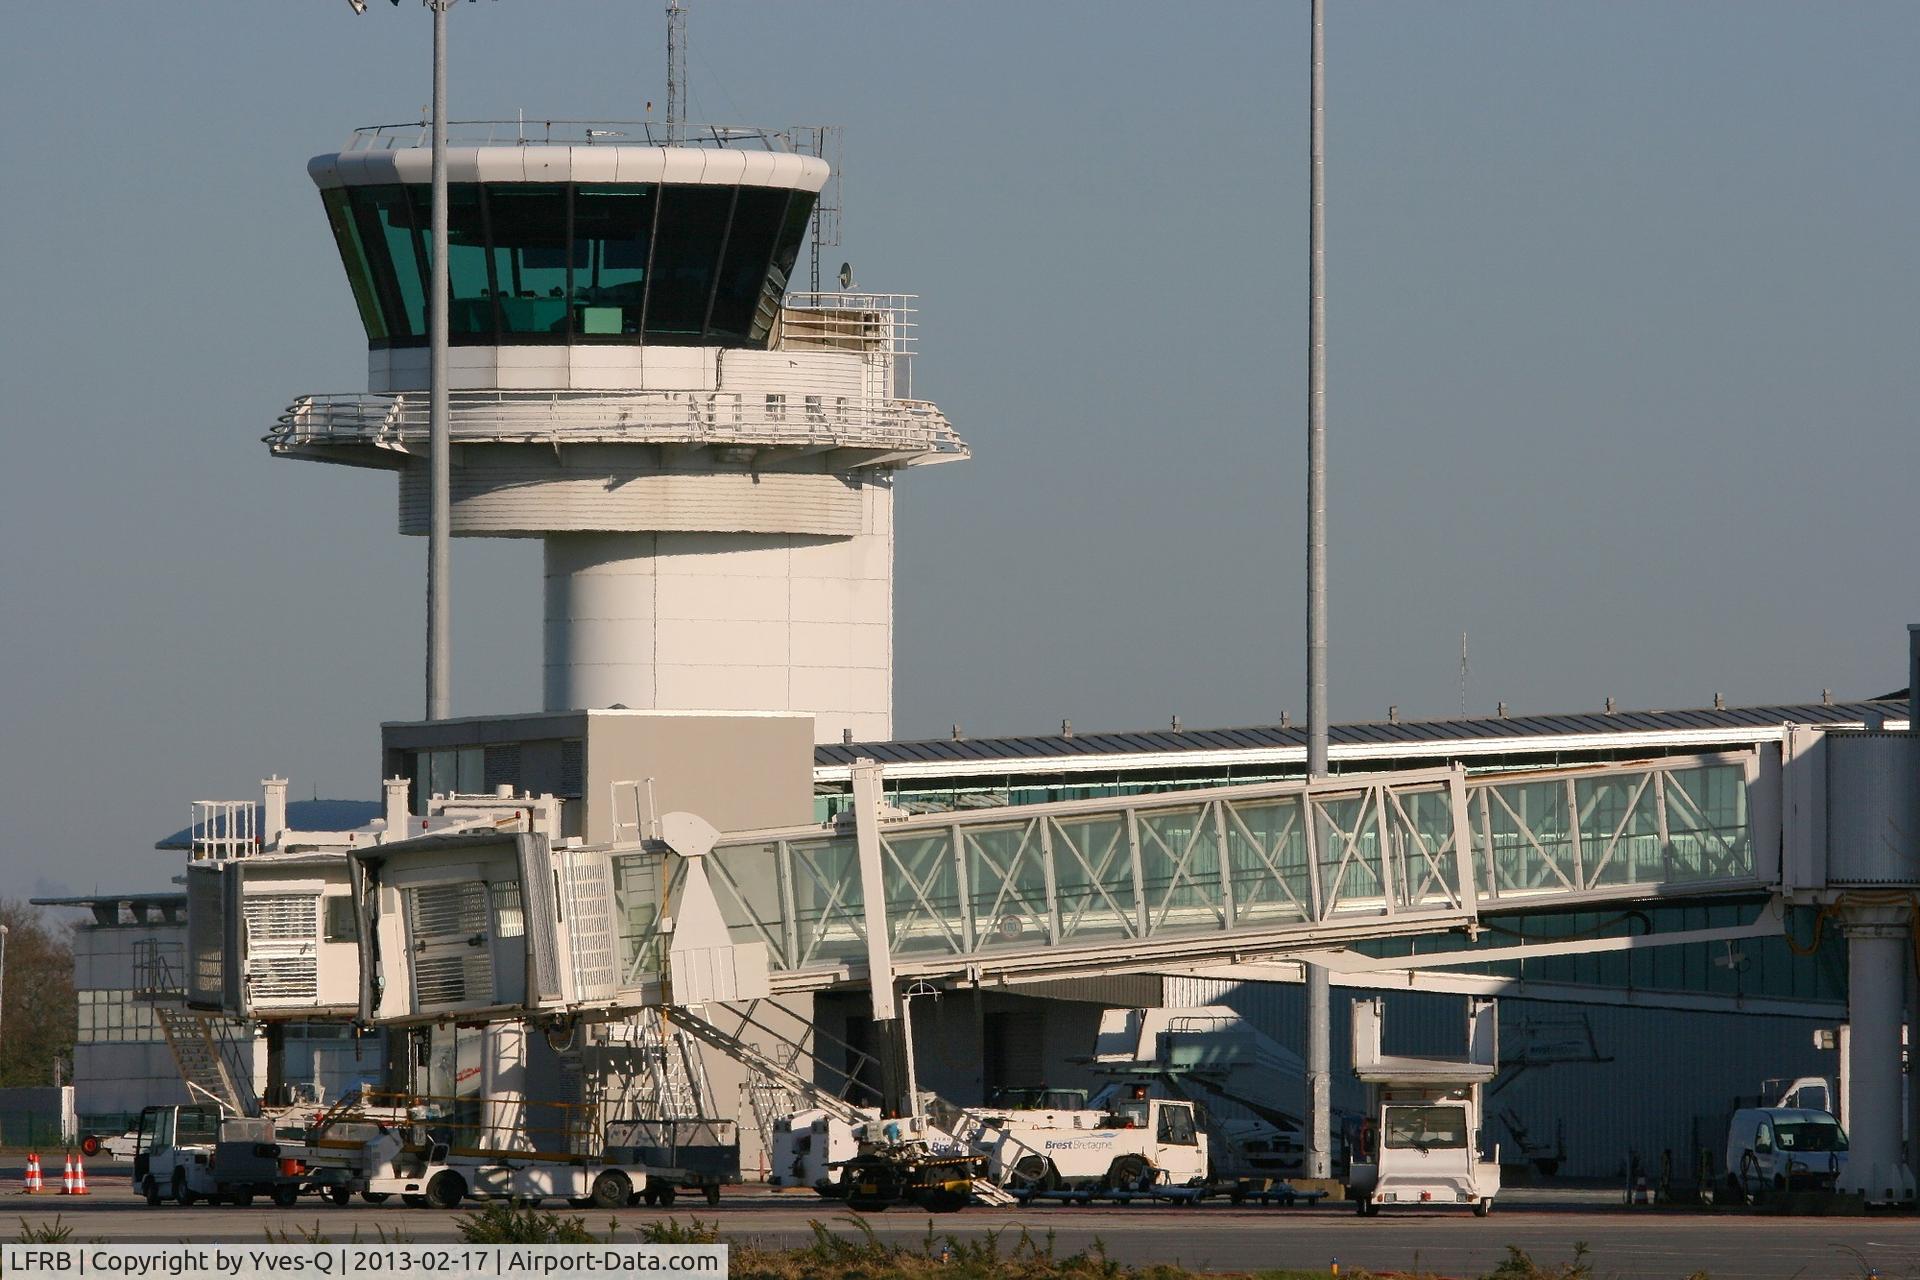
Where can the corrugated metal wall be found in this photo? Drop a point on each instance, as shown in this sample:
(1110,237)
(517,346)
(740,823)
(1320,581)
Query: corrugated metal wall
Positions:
(1669,1081)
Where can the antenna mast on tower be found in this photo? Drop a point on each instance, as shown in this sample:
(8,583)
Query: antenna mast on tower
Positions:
(1463,675)
(676,70)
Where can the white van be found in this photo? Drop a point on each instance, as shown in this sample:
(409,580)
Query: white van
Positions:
(1784,1149)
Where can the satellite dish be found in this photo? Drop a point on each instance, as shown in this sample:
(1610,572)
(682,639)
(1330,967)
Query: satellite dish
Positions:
(846,275)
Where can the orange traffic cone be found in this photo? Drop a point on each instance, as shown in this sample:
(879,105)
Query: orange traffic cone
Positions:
(33,1180)
(66,1177)
(79,1187)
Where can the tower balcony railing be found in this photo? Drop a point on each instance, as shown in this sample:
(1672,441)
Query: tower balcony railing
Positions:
(399,421)
(523,132)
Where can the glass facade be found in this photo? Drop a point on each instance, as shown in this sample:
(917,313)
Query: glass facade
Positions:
(530,262)
(115,1016)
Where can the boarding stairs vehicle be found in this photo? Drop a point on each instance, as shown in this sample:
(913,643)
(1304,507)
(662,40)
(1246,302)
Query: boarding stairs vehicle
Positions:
(1423,1147)
(188,1153)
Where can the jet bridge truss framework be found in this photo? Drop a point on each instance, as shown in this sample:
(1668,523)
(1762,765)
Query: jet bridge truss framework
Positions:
(1223,874)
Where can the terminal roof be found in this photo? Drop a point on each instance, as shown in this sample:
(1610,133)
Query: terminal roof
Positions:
(1415,733)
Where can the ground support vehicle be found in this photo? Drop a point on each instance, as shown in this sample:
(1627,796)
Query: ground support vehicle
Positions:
(116,1146)
(1780,1149)
(1140,1145)
(700,1156)
(436,1175)
(872,1163)
(188,1153)
(1422,1145)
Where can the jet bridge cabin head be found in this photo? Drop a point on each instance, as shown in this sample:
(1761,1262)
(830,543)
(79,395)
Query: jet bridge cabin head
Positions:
(272,936)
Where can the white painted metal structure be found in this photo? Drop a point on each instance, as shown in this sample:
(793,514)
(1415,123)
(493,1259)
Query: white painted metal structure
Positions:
(717,519)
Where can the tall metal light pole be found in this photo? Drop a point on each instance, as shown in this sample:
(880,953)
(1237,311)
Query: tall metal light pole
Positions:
(439,556)
(439,544)
(1319,993)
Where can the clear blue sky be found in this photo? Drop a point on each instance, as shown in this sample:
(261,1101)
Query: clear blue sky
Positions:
(1623,381)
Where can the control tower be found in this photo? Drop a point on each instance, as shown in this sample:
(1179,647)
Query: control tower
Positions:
(708,459)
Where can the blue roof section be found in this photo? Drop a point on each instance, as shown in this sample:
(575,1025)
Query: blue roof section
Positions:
(302,815)
(1413,732)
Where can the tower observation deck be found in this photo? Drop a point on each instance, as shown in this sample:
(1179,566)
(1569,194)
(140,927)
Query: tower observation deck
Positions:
(708,459)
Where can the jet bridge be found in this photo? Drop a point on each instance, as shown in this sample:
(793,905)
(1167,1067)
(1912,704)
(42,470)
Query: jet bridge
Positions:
(1091,886)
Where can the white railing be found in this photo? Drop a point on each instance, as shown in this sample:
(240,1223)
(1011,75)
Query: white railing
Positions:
(224,829)
(400,419)
(574,133)
(850,322)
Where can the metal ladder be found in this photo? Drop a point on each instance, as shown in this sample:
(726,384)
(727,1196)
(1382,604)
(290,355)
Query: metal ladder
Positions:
(203,1045)
(680,1087)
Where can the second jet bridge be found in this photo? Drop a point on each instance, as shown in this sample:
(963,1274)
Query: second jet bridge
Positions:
(1044,890)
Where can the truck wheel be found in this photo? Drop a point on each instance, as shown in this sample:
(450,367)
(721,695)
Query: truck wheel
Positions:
(339,1193)
(413,1202)
(447,1190)
(1033,1174)
(90,1145)
(1127,1173)
(181,1195)
(667,1194)
(150,1189)
(1484,1207)
(713,1193)
(650,1197)
(610,1190)
(374,1197)
(286,1195)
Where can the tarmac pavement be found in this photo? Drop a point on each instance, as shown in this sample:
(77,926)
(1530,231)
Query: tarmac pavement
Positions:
(1630,1243)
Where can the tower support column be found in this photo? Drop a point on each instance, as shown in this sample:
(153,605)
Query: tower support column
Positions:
(1879,947)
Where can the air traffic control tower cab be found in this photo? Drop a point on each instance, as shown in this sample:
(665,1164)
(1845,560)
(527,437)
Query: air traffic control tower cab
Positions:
(708,459)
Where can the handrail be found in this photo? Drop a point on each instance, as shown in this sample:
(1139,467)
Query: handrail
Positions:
(598,417)
(409,134)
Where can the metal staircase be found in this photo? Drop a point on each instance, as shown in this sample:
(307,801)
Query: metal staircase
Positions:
(206,1047)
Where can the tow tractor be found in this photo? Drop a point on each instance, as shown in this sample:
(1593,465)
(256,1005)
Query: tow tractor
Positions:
(187,1153)
(1138,1145)
(1421,1146)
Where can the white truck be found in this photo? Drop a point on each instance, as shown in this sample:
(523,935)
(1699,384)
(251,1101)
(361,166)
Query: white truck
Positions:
(1421,1145)
(191,1153)
(1138,1144)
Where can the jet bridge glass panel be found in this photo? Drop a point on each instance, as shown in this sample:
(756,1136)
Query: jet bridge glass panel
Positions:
(1204,872)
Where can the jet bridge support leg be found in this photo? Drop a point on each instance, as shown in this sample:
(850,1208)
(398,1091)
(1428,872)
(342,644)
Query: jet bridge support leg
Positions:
(890,1030)
(1879,944)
